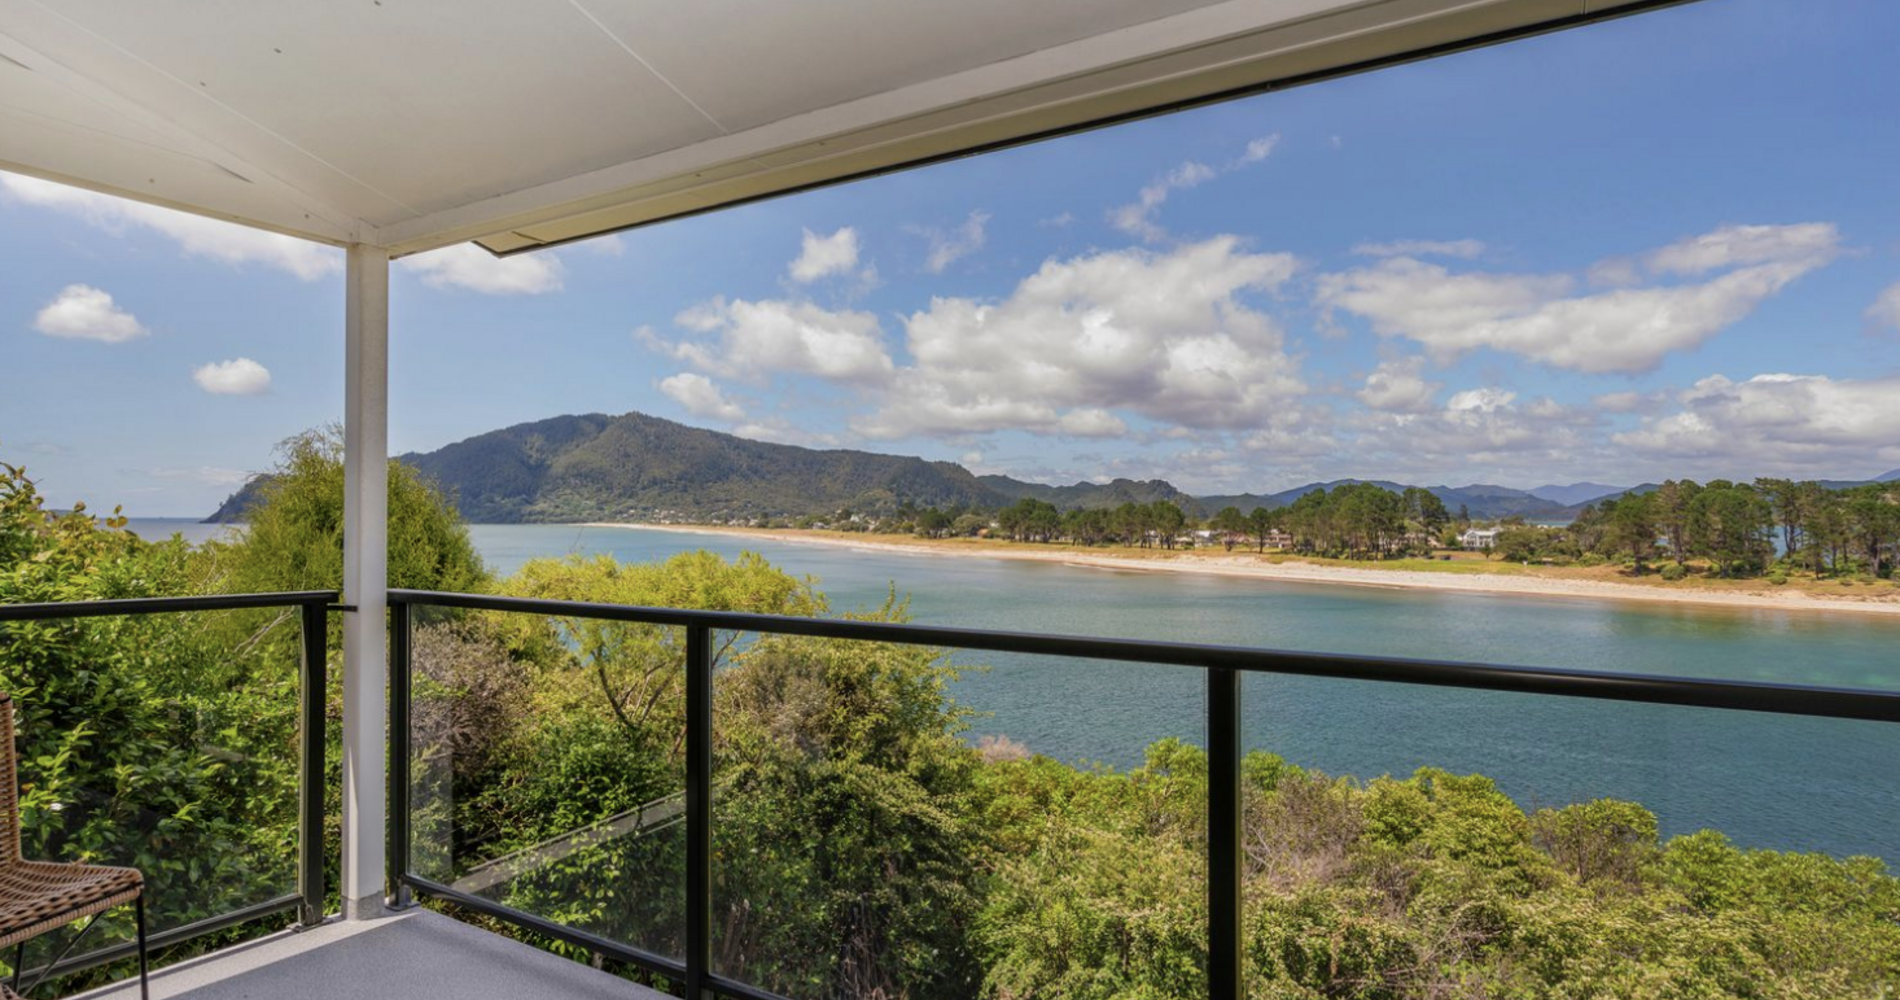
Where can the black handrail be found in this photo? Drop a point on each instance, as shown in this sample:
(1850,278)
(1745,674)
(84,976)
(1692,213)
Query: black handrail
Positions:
(53,610)
(1223,665)
(313,607)
(1692,692)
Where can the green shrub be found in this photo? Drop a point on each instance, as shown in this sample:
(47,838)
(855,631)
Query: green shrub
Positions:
(1673,572)
(295,538)
(161,742)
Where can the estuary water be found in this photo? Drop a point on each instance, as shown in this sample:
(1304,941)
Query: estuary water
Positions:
(1765,781)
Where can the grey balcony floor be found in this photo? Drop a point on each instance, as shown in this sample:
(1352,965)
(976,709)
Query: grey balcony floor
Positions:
(415,955)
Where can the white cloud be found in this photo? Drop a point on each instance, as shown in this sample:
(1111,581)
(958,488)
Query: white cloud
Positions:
(466,265)
(1885,312)
(701,397)
(198,236)
(1399,387)
(1463,249)
(778,430)
(1090,422)
(1408,297)
(1737,246)
(757,340)
(236,377)
(610,245)
(1292,436)
(1614,272)
(1063,221)
(1166,336)
(1261,148)
(1137,217)
(82,312)
(1481,431)
(1621,330)
(1623,402)
(1777,424)
(826,255)
(1485,400)
(948,248)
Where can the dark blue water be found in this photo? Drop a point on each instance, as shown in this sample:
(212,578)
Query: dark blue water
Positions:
(1766,781)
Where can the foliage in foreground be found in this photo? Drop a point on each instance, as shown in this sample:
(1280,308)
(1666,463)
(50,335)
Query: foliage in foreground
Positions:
(1432,886)
(162,742)
(169,742)
(294,540)
(864,848)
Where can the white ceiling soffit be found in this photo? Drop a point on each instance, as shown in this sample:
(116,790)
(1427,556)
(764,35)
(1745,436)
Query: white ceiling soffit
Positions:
(415,124)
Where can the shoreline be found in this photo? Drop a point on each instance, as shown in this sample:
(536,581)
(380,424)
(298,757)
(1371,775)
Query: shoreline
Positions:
(1248,566)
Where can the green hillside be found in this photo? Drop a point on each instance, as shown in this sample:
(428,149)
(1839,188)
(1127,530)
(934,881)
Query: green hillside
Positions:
(635,467)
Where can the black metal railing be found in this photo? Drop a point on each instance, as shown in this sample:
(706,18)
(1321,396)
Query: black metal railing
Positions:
(1223,665)
(313,608)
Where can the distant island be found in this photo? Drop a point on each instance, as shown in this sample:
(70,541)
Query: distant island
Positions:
(634,467)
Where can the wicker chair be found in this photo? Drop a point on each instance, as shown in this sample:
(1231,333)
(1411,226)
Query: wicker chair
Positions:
(41,896)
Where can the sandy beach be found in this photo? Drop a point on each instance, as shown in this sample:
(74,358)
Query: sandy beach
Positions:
(1882,601)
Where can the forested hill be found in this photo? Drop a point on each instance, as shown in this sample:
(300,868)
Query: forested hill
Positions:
(635,466)
(1097,496)
(632,467)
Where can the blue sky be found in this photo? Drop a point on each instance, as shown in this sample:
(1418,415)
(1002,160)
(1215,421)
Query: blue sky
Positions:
(1668,245)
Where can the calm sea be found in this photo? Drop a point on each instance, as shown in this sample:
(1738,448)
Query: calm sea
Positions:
(1806,784)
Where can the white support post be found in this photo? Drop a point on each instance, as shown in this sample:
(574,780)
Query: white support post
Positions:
(365,577)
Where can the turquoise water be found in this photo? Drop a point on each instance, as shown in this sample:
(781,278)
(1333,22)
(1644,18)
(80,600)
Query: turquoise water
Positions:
(1766,781)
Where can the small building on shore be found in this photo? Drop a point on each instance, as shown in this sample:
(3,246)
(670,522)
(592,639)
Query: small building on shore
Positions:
(1479,538)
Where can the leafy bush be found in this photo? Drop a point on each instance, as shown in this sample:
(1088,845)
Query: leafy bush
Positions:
(294,540)
(864,848)
(163,742)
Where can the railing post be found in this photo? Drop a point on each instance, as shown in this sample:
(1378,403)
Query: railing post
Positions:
(312,696)
(1224,851)
(699,766)
(401,644)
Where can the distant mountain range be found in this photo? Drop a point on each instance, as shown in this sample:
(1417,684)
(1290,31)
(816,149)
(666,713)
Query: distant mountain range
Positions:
(636,467)
(1576,493)
(1479,500)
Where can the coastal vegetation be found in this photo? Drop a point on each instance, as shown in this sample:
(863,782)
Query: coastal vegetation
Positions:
(1770,528)
(634,467)
(866,847)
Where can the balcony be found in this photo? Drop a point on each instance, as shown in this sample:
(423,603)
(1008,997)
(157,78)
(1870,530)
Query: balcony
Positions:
(642,888)
(415,954)
(174,105)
